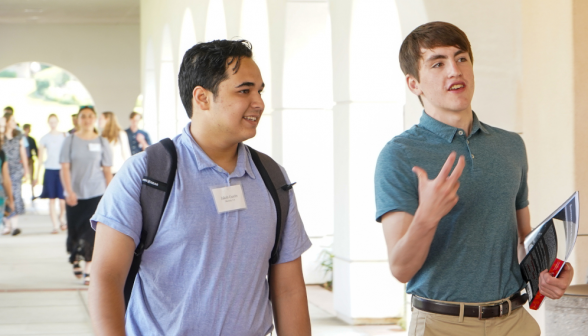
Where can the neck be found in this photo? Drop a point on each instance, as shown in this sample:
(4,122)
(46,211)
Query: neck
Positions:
(134,128)
(86,132)
(459,119)
(223,154)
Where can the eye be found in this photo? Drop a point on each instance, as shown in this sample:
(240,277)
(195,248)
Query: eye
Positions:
(244,91)
(462,59)
(437,65)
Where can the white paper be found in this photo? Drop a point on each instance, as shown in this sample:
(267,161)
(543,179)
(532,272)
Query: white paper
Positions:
(229,198)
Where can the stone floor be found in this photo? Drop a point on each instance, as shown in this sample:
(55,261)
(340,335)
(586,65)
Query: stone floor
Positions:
(40,296)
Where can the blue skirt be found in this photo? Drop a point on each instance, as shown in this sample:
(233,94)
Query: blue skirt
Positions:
(52,187)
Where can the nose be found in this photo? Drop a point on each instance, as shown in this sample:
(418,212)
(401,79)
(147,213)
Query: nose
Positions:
(453,69)
(258,103)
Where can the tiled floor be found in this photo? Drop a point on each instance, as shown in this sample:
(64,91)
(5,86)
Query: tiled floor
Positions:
(40,296)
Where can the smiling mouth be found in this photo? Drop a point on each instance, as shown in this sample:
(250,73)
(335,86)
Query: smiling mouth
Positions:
(456,87)
(251,118)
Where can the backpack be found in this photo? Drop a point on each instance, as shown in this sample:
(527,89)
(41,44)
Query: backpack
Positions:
(157,184)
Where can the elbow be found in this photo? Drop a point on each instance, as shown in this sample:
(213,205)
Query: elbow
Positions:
(400,273)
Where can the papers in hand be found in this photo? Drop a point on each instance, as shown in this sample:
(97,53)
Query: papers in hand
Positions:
(549,245)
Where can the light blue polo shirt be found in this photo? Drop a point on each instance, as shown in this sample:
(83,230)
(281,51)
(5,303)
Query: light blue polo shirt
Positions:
(473,255)
(205,273)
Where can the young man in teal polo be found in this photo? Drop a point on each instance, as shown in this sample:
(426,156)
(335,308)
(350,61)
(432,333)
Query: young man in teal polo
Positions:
(454,230)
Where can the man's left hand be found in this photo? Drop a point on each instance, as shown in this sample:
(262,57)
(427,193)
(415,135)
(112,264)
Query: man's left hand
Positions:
(554,288)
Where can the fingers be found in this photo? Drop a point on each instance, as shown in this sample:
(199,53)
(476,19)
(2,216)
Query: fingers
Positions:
(554,288)
(421,173)
(456,174)
(447,166)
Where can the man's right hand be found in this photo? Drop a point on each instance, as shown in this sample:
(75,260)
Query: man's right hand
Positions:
(409,237)
(437,197)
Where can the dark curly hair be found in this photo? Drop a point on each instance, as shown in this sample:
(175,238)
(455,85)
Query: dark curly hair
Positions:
(206,65)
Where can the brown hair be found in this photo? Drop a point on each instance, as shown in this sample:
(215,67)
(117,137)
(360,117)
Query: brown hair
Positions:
(133,114)
(52,115)
(7,116)
(112,129)
(87,107)
(428,36)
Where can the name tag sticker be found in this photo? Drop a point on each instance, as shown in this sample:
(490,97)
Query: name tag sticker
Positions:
(94,147)
(228,198)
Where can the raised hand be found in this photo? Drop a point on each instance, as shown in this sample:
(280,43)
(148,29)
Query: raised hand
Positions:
(437,197)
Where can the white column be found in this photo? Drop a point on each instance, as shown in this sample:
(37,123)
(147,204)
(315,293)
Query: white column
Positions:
(369,95)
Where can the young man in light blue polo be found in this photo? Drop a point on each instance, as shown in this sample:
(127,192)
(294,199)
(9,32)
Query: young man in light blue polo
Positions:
(454,235)
(205,273)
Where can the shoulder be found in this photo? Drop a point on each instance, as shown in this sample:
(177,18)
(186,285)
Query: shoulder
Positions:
(508,138)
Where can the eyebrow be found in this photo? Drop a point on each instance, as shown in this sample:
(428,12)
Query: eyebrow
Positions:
(249,84)
(438,56)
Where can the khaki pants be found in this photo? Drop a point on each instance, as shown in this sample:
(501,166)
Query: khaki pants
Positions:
(518,323)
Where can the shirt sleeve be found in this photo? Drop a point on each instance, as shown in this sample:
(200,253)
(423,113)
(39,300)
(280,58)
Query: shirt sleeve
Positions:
(522,200)
(106,153)
(119,207)
(294,240)
(396,186)
(65,150)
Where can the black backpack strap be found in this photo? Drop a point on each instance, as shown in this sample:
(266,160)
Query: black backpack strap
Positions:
(162,163)
(279,189)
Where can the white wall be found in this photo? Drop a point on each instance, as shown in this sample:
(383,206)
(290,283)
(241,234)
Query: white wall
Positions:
(105,58)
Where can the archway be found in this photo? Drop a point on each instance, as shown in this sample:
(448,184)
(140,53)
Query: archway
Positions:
(35,90)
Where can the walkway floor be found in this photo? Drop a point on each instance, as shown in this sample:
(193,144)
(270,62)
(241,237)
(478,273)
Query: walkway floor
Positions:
(40,296)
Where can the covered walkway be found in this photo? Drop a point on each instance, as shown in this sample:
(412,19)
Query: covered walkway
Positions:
(40,296)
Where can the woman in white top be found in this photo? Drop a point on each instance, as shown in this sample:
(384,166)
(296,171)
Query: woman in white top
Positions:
(117,138)
(50,144)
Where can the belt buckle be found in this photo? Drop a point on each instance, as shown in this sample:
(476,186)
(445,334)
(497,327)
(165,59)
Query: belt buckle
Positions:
(481,313)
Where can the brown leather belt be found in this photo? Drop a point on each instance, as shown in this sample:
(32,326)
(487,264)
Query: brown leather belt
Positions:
(481,312)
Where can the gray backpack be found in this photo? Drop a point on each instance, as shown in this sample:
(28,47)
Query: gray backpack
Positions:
(157,184)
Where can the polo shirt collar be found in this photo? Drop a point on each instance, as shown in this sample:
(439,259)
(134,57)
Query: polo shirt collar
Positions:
(204,162)
(445,131)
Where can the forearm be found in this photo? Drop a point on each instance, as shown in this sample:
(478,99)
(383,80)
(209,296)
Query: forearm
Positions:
(107,174)
(107,305)
(66,180)
(291,313)
(409,254)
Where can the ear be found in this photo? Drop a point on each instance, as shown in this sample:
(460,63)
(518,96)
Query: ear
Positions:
(201,98)
(413,85)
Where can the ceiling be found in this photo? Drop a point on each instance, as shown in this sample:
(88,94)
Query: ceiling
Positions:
(70,11)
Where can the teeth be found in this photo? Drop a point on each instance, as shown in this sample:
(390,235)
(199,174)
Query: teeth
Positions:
(250,118)
(456,86)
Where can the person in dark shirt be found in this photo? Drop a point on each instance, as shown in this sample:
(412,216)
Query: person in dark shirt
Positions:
(74,121)
(31,152)
(138,139)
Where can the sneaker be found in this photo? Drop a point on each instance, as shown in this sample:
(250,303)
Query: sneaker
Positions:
(16,232)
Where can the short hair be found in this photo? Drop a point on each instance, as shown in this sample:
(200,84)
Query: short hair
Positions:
(428,36)
(206,64)
(9,108)
(133,114)
(26,126)
(74,115)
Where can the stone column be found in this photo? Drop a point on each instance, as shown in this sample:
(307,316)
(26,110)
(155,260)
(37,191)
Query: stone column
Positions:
(369,99)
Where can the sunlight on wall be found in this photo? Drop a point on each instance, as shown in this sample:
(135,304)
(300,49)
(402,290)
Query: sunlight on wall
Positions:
(255,29)
(216,27)
(167,88)
(150,93)
(187,41)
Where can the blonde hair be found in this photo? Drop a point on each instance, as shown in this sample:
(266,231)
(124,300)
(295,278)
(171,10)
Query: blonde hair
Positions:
(112,128)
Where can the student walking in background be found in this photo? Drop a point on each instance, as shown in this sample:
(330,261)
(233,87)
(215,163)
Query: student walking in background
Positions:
(6,197)
(85,160)
(16,157)
(138,139)
(48,156)
(32,151)
(117,138)
(74,121)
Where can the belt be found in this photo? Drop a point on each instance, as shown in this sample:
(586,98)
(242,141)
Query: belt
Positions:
(481,312)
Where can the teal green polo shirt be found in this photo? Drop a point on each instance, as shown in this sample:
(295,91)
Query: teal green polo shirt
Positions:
(473,255)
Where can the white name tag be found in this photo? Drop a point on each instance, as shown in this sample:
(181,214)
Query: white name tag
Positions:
(94,147)
(229,198)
